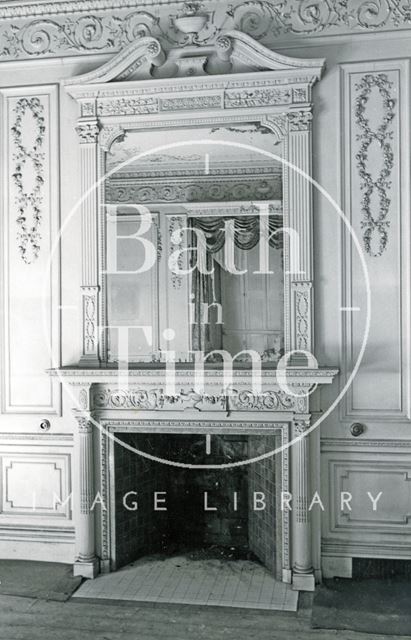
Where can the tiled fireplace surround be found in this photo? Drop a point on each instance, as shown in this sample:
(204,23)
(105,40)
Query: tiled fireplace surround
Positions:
(109,408)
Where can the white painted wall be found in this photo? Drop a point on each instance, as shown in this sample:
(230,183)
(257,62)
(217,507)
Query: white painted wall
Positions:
(379,396)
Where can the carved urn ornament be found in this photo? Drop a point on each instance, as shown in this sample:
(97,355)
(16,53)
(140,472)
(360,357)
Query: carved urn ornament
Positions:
(190,21)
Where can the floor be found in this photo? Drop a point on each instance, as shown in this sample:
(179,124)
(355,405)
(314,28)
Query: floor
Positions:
(30,619)
(181,580)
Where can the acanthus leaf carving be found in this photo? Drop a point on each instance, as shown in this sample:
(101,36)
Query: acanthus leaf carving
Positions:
(87,132)
(154,399)
(300,120)
(35,29)
(198,189)
(110,134)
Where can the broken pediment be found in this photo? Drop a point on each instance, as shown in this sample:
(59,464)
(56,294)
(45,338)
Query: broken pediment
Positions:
(232,52)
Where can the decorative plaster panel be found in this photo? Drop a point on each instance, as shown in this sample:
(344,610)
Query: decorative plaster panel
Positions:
(187,398)
(36,29)
(197,189)
(30,324)
(376,199)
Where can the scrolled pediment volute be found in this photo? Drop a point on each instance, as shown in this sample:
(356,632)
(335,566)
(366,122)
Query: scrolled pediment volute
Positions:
(232,52)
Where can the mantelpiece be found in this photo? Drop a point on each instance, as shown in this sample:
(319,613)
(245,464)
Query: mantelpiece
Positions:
(109,402)
(224,86)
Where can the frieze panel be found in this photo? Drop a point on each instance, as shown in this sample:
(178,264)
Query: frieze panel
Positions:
(229,99)
(128,106)
(188,398)
(191,102)
(33,30)
(197,190)
(234,99)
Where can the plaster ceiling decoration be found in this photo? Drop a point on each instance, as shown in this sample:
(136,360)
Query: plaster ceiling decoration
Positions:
(71,27)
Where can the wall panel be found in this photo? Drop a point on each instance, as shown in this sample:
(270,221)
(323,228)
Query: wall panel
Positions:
(359,467)
(30,251)
(376,201)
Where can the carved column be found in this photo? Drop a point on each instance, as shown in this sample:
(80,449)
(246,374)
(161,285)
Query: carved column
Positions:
(87,130)
(299,206)
(302,569)
(86,563)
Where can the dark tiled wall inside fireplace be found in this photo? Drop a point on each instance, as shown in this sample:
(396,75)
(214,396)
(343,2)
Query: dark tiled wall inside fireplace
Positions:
(262,478)
(186,525)
(141,531)
(191,525)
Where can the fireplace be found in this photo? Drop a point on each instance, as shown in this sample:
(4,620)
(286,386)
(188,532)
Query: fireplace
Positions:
(224,512)
(243,435)
(230,506)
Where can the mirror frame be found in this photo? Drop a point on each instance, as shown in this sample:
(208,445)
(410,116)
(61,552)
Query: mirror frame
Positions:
(276,94)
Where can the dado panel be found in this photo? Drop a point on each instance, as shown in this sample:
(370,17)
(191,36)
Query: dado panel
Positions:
(30,249)
(36,485)
(367,498)
(35,479)
(375,139)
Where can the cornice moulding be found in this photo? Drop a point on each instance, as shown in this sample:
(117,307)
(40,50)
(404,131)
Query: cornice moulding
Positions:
(9,10)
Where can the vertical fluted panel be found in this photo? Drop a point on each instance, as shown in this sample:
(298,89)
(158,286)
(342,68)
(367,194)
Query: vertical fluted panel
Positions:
(302,563)
(88,166)
(299,194)
(85,529)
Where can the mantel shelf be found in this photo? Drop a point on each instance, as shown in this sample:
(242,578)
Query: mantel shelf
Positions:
(147,373)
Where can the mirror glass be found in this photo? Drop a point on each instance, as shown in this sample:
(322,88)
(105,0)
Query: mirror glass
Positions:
(194,244)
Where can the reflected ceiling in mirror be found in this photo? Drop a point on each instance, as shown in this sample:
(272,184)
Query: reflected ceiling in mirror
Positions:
(195,165)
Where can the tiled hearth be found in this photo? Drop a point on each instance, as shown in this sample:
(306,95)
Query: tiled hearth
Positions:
(181,580)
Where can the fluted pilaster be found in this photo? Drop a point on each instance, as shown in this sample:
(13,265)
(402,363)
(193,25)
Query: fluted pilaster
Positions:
(303,574)
(86,564)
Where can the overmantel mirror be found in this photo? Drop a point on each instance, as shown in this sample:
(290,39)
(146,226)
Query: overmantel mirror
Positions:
(196,233)
(214,141)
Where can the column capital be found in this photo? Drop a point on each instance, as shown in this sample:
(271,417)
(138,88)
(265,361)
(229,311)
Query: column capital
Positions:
(88,131)
(300,120)
(301,424)
(84,424)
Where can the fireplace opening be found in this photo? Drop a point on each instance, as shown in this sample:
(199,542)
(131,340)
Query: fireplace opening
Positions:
(224,514)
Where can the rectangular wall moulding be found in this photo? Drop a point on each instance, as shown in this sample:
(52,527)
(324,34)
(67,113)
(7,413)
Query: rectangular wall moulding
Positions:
(364,468)
(375,199)
(30,250)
